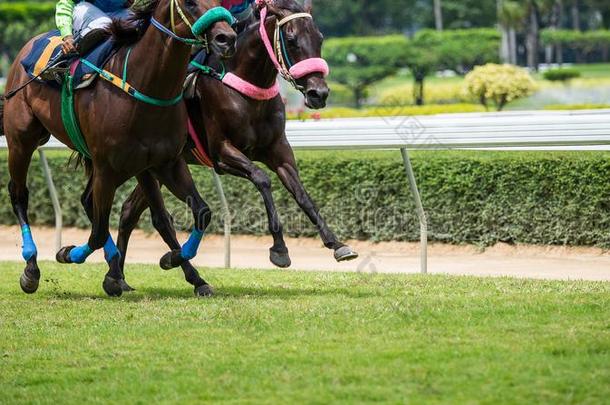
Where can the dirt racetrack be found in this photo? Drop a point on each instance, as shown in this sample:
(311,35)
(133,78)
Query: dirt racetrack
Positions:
(308,254)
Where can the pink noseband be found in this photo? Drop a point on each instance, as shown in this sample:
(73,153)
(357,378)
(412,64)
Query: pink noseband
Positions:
(308,66)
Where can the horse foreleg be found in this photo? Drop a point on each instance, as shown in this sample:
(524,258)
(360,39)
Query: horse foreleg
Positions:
(177,178)
(86,200)
(131,211)
(102,191)
(283,163)
(236,163)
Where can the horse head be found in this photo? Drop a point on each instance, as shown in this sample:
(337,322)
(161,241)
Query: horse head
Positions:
(298,48)
(200,22)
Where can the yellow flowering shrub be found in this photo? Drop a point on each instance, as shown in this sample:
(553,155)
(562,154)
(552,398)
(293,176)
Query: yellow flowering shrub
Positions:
(498,84)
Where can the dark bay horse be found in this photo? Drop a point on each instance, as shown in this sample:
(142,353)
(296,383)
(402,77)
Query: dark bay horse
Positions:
(126,137)
(239,129)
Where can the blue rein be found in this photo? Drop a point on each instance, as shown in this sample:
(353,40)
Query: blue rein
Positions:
(204,22)
(170,33)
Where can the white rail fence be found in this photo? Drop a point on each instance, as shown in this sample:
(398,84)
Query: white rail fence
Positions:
(523,130)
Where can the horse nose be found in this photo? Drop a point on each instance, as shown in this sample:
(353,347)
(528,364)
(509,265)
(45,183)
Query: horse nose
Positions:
(226,42)
(318,97)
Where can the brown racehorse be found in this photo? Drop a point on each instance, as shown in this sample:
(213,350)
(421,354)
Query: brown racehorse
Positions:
(239,129)
(125,137)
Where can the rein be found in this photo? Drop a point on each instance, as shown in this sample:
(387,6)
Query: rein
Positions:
(204,22)
(211,17)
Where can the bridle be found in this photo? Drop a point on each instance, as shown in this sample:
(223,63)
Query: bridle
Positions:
(279,53)
(200,26)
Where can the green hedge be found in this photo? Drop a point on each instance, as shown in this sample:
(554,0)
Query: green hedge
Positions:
(471,197)
(26,10)
(561,75)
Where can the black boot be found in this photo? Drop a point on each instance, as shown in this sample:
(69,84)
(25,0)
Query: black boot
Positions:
(61,64)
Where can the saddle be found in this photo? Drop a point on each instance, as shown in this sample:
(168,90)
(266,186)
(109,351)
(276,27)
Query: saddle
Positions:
(46,48)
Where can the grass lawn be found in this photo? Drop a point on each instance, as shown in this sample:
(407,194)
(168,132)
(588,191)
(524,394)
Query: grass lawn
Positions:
(290,337)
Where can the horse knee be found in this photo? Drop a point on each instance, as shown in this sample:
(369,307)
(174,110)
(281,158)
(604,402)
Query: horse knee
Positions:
(261,180)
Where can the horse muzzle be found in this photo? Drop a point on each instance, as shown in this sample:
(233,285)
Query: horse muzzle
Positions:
(223,44)
(316,96)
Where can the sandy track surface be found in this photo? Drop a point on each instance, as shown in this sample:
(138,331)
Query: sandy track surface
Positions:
(308,254)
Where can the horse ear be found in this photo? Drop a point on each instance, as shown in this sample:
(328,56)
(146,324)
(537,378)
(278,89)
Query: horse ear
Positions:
(308,6)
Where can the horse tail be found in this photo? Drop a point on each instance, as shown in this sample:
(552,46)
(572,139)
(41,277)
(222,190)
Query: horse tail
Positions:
(76,160)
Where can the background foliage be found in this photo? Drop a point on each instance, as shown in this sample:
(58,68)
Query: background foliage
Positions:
(470,197)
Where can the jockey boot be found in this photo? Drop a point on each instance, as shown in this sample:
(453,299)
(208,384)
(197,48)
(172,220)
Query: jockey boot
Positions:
(59,66)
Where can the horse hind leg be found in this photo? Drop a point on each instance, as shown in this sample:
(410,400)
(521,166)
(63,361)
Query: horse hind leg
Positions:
(178,180)
(21,146)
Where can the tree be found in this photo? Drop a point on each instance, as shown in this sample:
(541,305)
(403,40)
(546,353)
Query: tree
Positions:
(510,17)
(438,15)
(358,62)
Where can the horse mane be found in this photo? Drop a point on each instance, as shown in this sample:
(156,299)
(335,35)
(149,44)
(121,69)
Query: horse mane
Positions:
(129,31)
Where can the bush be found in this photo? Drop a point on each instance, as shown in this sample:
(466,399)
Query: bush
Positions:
(499,84)
(561,75)
(470,197)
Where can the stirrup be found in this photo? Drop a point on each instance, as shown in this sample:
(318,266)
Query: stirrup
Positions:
(57,71)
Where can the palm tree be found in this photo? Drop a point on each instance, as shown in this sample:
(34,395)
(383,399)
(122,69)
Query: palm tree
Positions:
(511,16)
(438,15)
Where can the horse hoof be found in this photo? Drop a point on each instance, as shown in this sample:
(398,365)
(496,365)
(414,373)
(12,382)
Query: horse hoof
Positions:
(345,254)
(205,290)
(280,259)
(63,256)
(112,287)
(126,287)
(28,285)
(171,260)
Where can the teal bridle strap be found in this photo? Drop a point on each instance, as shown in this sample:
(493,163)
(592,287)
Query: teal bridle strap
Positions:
(212,16)
(208,70)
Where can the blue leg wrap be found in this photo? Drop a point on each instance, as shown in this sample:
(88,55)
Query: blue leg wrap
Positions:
(189,249)
(79,254)
(28,250)
(110,250)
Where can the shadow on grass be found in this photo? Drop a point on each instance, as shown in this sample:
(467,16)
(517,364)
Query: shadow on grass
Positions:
(223,292)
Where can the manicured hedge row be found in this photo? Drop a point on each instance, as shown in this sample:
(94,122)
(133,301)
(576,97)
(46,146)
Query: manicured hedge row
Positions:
(471,197)
(26,10)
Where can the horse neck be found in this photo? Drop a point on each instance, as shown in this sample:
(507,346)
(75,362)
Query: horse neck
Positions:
(161,64)
(251,61)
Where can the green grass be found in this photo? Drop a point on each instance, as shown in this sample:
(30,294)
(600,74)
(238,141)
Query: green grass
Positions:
(290,337)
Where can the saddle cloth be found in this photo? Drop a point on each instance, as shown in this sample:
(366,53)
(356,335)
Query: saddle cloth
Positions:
(48,47)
